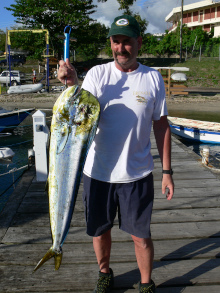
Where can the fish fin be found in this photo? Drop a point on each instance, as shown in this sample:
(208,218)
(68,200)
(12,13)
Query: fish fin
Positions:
(58,260)
(50,253)
(63,141)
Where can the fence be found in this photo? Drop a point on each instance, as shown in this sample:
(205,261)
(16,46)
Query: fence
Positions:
(200,52)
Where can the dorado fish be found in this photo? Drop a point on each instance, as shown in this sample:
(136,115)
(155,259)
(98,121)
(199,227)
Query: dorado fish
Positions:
(73,127)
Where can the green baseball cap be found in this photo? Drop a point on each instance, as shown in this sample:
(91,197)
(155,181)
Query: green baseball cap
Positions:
(125,25)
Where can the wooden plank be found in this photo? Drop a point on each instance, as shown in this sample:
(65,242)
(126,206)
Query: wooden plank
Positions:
(185,289)
(178,85)
(185,233)
(193,183)
(189,165)
(174,92)
(187,203)
(190,272)
(190,289)
(187,272)
(198,192)
(185,215)
(181,200)
(78,234)
(175,249)
(158,216)
(187,175)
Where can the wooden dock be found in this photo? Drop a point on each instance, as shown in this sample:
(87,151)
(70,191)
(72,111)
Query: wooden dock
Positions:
(185,233)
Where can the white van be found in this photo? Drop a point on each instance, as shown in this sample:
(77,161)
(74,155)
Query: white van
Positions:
(17,77)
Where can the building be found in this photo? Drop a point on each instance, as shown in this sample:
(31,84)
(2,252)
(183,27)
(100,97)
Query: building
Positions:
(204,13)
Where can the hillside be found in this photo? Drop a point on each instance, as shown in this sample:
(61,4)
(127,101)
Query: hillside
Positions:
(205,73)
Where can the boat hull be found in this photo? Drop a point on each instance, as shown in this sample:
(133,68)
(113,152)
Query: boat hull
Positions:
(12,119)
(179,76)
(26,88)
(195,134)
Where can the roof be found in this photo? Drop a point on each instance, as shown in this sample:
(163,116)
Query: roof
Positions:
(189,7)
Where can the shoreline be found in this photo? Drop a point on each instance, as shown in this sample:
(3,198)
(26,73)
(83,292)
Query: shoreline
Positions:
(192,102)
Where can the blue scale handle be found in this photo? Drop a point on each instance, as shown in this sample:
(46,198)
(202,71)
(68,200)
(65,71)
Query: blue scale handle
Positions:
(67,32)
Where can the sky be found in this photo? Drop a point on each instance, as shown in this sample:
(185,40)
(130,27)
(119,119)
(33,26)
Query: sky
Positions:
(154,11)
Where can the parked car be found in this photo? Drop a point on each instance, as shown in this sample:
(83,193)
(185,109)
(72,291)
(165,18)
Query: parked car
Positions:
(17,77)
(82,75)
(15,60)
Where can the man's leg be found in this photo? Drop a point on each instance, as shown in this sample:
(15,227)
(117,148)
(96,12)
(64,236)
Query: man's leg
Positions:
(102,248)
(144,251)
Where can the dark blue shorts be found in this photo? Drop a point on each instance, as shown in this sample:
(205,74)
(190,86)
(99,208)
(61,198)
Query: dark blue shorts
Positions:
(133,201)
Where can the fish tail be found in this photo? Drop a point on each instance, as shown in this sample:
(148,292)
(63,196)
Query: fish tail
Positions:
(58,260)
(50,253)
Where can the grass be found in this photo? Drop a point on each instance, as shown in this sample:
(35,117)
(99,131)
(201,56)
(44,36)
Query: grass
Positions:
(205,73)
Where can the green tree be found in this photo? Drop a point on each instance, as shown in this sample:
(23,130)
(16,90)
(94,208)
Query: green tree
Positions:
(2,40)
(96,41)
(31,42)
(149,45)
(55,15)
(124,4)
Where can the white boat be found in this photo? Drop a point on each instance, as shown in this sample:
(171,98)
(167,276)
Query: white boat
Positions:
(25,88)
(196,130)
(178,76)
(6,155)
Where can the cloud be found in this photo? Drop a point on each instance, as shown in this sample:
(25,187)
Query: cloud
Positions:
(106,12)
(154,11)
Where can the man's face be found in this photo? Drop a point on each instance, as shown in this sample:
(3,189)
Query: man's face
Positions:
(125,50)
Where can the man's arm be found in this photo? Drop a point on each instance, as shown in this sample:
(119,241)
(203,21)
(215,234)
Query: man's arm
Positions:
(67,73)
(163,139)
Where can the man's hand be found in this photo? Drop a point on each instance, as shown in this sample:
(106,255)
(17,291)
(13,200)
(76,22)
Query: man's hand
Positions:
(167,183)
(67,73)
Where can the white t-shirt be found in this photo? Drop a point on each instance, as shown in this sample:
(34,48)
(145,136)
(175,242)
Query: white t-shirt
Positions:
(129,102)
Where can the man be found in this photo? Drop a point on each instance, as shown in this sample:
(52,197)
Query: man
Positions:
(34,76)
(118,168)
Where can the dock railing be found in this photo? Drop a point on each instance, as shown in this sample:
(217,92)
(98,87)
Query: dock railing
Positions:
(173,87)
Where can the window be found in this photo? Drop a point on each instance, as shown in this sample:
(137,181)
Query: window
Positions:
(201,16)
(195,16)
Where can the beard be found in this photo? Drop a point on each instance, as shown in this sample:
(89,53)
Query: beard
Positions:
(122,61)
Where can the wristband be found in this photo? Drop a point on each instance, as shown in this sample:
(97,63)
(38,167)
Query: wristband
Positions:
(168,172)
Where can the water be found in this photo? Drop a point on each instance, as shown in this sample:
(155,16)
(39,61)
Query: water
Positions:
(22,139)
(214,158)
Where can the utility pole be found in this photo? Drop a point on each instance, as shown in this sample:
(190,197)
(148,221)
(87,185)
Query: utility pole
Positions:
(181,29)
(6,45)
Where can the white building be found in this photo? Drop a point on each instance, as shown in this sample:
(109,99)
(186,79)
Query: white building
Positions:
(205,14)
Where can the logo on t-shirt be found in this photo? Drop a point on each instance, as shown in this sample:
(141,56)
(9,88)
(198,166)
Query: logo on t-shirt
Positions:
(141,99)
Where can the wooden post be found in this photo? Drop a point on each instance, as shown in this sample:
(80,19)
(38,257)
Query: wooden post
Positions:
(169,82)
(181,29)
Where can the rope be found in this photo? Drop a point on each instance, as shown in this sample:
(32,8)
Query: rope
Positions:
(217,154)
(5,134)
(15,126)
(14,181)
(212,168)
(14,170)
(20,142)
